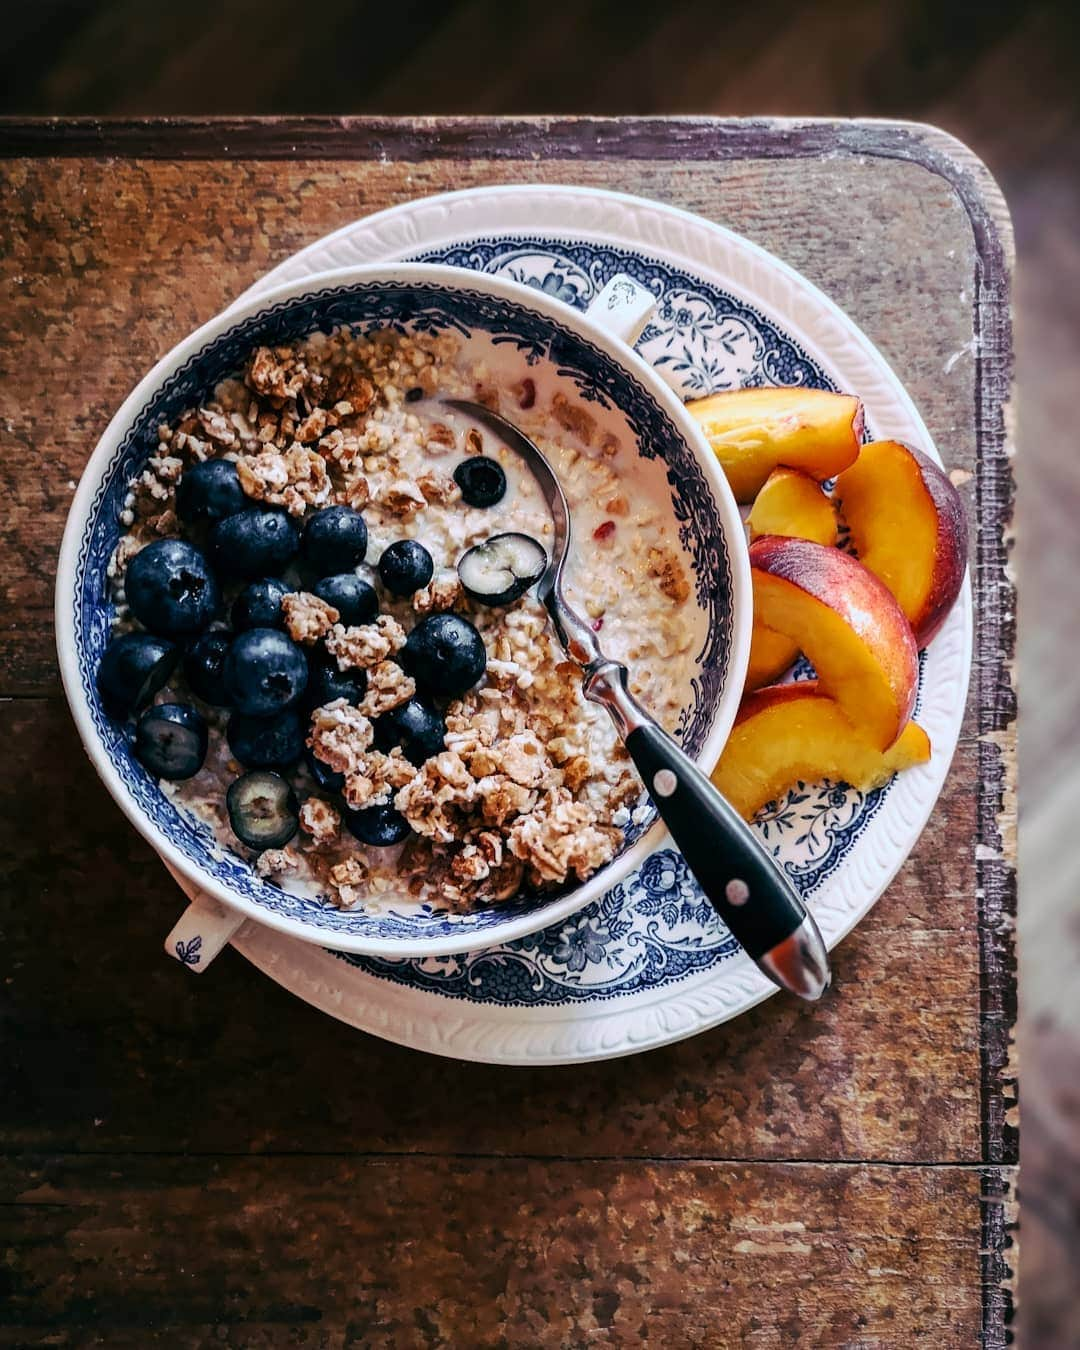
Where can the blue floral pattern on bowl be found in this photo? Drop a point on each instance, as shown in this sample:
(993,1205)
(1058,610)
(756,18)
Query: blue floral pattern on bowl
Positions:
(424,308)
(655,927)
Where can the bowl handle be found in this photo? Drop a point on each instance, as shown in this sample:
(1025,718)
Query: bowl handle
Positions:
(622,308)
(201,932)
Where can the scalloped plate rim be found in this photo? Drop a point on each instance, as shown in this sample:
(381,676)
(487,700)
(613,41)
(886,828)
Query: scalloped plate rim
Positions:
(406,1015)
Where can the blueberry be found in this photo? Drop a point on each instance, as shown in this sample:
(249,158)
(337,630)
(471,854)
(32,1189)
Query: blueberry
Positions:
(259,605)
(204,666)
(209,491)
(481,480)
(327,683)
(253,543)
(416,727)
(171,589)
(133,668)
(379,826)
(386,733)
(170,740)
(405,566)
(335,540)
(266,742)
(264,672)
(501,569)
(323,774)
(445,653)
(263,810)
(354,599)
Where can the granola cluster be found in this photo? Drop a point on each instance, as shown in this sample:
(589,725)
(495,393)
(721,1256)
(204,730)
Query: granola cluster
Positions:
(366,645)
(508,815)
(307,618)
(295,480)
(531,786)
(519,794)
(489,811)
(442,593)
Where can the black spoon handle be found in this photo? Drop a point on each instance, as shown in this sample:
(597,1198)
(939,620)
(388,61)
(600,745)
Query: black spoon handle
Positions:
(740,879)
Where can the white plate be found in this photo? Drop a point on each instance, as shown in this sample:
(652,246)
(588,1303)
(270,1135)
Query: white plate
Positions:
(647,964)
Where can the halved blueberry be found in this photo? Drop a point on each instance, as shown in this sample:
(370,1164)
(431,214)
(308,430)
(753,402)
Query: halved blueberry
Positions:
(266,742)
(445,654)
(263,810)
(133,668)
(209,491)
(405,566)
(326,683)
(481,480)
(379,826)
(265,671)
(335,540)
(171,589)
(204,666)
(354,599)
(253,543)
(170,741)
(259,605)
(501,569)
(324,775)
(416,727)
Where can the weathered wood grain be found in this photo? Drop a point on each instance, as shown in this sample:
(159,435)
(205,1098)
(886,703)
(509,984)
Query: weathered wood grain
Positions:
(428,1252)
(110,1046)
(104,263)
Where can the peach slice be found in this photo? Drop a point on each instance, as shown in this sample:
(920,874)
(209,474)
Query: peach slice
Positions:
(794,733)
(792,503)
(848,625)
(752,431)
(908,524)
(770,655)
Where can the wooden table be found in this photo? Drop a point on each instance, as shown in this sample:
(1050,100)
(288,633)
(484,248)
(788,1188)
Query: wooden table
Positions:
(195,1161)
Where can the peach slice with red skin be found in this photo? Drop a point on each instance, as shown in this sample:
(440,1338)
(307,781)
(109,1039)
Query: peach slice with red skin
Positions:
(908,525)
(847,623)
(752,431)
(792,503)
(794,733)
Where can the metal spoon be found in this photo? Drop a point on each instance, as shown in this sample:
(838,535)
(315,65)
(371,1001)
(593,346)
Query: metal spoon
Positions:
(740,879)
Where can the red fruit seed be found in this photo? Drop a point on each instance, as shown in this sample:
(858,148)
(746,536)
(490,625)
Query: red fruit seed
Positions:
(604,530)
(597,624)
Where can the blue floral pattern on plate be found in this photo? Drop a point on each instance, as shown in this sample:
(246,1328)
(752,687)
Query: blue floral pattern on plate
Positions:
(655,927)
(703,339)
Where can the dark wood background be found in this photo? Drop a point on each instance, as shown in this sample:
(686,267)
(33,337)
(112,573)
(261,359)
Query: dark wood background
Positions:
(1003,77)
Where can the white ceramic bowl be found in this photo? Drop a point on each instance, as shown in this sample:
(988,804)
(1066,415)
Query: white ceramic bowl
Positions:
(547,336)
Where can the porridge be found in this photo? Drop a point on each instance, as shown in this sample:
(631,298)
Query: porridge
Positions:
(349,678)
